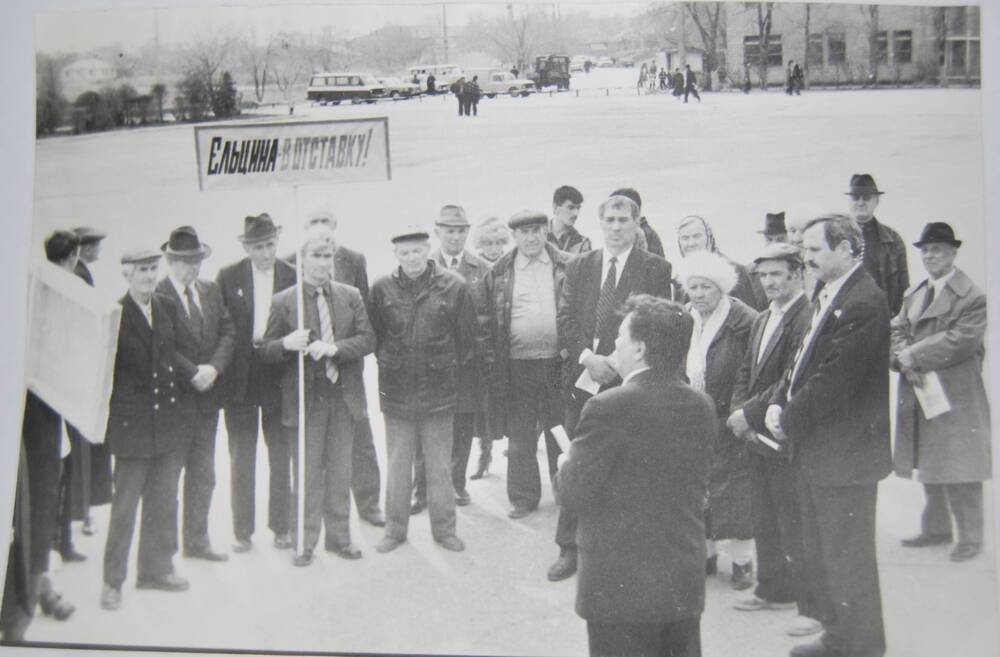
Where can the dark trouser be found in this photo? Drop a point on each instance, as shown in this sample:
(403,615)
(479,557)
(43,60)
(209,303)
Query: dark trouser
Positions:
(364,469)
(242,427)
(199,482)
(676,639)
(463,428)
(41,436)
(475,107)
(966,502)
(566,524)
(154,481)
(329,439)
(838,533)
(777,525)
(461,106)
(690,89)
(535,401)
(20,591)
(433,434)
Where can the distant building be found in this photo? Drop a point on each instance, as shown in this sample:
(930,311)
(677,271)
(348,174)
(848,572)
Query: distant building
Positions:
(86,75)
(852,44)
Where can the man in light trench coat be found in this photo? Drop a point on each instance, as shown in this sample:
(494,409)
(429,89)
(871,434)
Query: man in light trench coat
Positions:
(939,331)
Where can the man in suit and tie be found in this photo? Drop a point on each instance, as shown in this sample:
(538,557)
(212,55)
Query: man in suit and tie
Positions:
(653,242)
(351,268)
(774,339)
(335,339)
(452,231)
(636,477)
(206,337)
(151,413)
(252,388)
(595,288)
(833,409)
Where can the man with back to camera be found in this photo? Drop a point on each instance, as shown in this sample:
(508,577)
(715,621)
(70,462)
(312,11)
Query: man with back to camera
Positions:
(635,476)
(206,337)
(833,407)
(566,204)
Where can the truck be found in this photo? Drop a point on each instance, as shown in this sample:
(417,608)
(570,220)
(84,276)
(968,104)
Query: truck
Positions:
(551,70)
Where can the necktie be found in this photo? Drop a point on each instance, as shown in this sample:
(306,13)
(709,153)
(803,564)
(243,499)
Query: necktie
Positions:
(326,328)
(454,263)
(194,313)
(928,298)
(606,301)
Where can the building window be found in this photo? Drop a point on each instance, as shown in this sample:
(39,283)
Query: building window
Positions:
(752,50)
(774,56)
(902,46)
(836,45)
(881,45)
(957,25)
(814,53)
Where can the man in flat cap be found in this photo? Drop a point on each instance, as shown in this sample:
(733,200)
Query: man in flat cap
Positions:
(526,391)
(425,323)
(884,253)
(335,339)
(938,334)
(252,388)
(774,228)
(774,339)
(452,231)
(566,204)
(351,268)
(90,251)
(205,336)
(151,413)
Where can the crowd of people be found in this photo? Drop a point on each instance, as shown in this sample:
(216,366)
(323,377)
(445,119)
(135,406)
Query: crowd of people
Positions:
(712,407)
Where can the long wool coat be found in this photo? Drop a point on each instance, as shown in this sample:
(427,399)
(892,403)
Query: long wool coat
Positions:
(947,338)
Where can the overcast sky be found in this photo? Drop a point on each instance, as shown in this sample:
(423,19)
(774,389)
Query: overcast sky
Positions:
(132,25)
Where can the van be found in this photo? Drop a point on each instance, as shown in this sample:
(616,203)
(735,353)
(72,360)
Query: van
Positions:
(336,87)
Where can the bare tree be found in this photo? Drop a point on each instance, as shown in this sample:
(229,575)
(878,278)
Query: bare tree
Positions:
(805,58)
(940,23)
(208,54)
(876,49)
(290,63)
(392,48)
(256,59)
(764,24)
(710,19)
(512,38)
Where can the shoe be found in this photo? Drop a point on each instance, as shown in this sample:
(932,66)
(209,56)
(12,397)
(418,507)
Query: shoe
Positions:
(711,565)
(345,551)
(206,554)
(376,518)
(814,649)
(111,598)
(54,605)
(453,543)
(72,556)
(926,540)
(564,567)
(804,626)
(242,545)
(417,506)
(304,559)
(760,604)
(483,469)
(283,541)
(388,544)
(964,551)
(742,577)
(462,498)
(519,512)
(89,527)
(168,582)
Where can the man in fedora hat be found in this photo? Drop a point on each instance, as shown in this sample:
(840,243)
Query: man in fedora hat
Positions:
(774,228)
(939,333)
(206,337)
(884,254)
(149,427)
(252,388)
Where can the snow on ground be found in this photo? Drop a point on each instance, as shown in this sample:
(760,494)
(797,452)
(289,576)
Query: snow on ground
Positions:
(729,159)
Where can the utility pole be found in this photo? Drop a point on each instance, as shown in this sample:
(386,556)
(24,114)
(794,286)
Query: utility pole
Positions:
(682,46)
(444,29)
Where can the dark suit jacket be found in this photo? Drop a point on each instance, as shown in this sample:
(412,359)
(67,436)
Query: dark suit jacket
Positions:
(248,381)
(352,334)
(755,382)
(83,271)
(214,346)
(152,406)
(576,306)
(837,409)
(636,477)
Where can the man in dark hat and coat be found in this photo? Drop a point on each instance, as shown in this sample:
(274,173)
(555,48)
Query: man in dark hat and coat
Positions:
(885,252)
(938,334)
(252,388)
(774,228)
(206,337)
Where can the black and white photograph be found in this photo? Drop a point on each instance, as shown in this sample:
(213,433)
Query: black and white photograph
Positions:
(476,327)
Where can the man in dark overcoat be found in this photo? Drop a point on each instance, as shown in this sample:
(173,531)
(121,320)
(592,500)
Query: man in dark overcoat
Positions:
(939,333)
(884,254)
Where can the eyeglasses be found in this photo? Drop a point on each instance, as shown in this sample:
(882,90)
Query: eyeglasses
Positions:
(862,197)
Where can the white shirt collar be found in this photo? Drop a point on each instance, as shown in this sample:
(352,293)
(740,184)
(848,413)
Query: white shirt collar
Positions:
(179,287)
(781,310)
(831,289)
(939,283)
(631,375)
(620,258)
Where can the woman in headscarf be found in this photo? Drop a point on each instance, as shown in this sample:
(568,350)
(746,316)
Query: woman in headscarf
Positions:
(694,235)
(719,342)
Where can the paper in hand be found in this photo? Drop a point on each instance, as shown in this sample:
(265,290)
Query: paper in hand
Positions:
(562,439)
(587,383)
(933,401)
(773,444)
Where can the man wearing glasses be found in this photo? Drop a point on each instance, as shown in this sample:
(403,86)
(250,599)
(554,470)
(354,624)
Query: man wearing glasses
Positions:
(884,252)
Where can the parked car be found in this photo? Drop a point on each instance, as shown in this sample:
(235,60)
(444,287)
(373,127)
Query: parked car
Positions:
(337,87)
(493,81)
(444,75)
(626,62)
(396,88)
(577,63)
(604,62)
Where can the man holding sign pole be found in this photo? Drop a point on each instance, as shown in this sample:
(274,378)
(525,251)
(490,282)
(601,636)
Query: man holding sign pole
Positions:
(334,338)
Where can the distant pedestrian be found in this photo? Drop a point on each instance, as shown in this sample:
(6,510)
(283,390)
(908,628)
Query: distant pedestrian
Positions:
(587,65)
(790,77)
(798,79)
(514,71)
(663,79)
(458,88)
(678,83)
(431,81)
(690,83)
(746,79)
(473,94)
